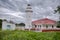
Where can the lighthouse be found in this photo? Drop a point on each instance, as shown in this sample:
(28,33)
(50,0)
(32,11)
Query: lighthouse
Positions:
(28,22)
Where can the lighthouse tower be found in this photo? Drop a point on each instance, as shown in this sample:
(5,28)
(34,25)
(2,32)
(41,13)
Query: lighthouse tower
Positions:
(28,17)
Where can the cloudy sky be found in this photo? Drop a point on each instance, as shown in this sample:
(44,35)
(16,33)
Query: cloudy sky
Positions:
(15,9)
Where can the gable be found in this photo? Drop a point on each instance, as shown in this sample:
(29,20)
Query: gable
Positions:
(44,21)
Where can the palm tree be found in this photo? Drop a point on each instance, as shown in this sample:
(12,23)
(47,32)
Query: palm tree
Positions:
(58,10)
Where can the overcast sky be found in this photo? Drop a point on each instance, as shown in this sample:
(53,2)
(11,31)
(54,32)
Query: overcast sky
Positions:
(15,9)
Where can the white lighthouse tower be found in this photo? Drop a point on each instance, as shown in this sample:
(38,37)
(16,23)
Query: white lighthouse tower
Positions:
(28,17)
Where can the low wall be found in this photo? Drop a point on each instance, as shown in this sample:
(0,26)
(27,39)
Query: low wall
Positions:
(49,30)
(20,28)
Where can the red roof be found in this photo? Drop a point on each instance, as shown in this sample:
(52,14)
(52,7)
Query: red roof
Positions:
(44,21)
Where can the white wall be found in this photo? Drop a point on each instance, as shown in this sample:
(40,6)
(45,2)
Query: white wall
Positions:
(44,26)
(20,27)
(4,25)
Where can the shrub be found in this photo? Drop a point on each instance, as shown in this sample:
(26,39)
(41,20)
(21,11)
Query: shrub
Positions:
(57,36)
(28,35)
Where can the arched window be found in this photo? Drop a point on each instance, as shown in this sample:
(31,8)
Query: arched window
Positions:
(40,26)
(46,26)
(52,26)
(35,26)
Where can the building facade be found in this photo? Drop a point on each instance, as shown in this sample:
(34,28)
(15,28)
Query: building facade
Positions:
(20,26)
(8,25)
(44,24)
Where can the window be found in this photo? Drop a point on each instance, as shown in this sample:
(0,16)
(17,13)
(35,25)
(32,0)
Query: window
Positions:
(35,26)
(40,26)
(46,26)
(52,26)
(8,26)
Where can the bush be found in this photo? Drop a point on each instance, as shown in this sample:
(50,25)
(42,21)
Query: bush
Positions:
(57,36)
(28,35)
(0,24)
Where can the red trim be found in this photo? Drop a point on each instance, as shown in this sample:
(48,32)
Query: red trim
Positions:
(49,30)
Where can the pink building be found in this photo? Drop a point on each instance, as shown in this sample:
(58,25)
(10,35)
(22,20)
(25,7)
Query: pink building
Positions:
(44,24)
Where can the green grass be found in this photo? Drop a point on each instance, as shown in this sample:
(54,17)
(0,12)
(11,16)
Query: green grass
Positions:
(29,35)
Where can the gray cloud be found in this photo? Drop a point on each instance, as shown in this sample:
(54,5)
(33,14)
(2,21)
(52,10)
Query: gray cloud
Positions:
(41,9)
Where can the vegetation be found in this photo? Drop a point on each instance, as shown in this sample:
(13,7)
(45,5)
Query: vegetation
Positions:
(58,10)
(21,24)
(29,35)
(0,24)
(58,24)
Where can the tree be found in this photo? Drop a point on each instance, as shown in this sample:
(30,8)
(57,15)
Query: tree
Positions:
(58,24)
(0,23)
(21,24)
(58,10)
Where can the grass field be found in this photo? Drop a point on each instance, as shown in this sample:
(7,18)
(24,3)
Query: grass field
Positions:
(29,35)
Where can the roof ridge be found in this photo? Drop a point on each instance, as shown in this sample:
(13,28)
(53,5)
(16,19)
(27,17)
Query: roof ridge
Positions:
(44,19)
